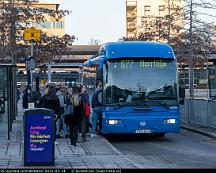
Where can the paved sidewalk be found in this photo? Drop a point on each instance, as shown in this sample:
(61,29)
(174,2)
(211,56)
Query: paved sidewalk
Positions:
(95,153)
(211,132)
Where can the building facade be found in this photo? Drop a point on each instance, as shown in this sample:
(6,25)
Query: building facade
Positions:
(152,16)
(50,26)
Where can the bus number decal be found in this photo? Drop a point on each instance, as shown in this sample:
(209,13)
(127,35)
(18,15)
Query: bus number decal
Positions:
(125,64)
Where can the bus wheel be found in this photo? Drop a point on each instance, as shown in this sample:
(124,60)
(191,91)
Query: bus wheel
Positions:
(160,134)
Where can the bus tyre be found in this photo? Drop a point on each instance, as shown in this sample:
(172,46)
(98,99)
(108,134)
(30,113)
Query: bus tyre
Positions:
(160,134)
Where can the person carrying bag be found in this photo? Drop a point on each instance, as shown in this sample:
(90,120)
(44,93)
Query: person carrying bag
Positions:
(87,111)
(74,113)
(68,113)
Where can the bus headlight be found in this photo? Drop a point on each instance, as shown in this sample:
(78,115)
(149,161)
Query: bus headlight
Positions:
(113,121)
(170,121)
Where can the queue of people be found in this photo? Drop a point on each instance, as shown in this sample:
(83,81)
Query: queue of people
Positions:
(58,98)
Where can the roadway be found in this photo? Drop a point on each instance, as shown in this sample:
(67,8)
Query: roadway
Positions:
(184,150)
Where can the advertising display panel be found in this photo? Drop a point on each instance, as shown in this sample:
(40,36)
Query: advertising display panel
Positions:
(39,137)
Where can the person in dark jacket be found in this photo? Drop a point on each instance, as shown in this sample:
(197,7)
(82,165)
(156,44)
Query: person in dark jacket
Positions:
(36,96)
(85,123)
(97,108)
(18,95)
(25,99)
(50,101)
(75,120)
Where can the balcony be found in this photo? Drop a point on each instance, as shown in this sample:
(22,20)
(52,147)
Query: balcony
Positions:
(131,26)
(131,16)
(131,34)
(131,5)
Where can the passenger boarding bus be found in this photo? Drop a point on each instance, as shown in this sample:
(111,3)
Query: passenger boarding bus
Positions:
(140,87)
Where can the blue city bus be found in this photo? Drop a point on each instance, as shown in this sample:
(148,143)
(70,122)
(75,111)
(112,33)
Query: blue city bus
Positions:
(140,87)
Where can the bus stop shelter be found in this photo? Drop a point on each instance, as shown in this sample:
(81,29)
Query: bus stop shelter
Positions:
(8,92)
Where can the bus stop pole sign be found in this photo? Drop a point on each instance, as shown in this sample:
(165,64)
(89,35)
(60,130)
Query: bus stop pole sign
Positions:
(32,34)
(39,136)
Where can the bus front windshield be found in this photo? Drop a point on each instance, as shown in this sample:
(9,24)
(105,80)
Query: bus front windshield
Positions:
(140,82)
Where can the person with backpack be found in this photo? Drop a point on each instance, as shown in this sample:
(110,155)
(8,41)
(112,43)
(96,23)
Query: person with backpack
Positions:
(85,121)
(74,119)
(97,108)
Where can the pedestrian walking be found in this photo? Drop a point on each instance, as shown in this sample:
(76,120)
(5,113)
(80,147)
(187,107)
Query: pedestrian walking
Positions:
(61,94)
(25,99)
(97,108)
(85,122)
(78,113)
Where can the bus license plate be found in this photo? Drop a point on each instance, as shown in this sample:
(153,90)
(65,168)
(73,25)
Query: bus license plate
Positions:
(144,131)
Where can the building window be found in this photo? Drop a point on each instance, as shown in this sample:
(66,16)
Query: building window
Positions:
(147,10)
(158,21)
(59,24)
(161,9)
(144,21)
(39,25)
(47,24)
(147,30)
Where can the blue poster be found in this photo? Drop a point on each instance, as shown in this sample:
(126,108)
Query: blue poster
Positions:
(39,139)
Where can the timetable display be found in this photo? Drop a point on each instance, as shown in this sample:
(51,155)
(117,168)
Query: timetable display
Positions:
(130,64)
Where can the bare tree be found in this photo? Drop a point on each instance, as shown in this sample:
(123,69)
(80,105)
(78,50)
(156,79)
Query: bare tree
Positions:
(15,16)
(183,29)
(200,34)
(94,41)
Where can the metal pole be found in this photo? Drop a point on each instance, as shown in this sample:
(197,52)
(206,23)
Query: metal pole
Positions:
(49,72)
(191,68)
(12,32)
(8,103)
(169,20)
(32,48)
(31,76)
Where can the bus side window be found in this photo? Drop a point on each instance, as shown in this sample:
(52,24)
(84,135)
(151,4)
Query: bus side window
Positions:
(99,74)
(108,95)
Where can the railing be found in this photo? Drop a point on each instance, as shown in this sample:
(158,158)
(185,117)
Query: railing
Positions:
(199,111)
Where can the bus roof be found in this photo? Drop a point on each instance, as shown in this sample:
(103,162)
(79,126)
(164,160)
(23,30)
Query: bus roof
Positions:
(137,49)
(131,49)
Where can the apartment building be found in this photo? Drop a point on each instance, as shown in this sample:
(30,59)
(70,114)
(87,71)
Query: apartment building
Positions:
(148,15)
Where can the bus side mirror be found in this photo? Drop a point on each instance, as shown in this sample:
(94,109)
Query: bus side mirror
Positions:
(181,95)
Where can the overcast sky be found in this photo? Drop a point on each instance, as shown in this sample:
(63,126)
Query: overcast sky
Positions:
(103,20)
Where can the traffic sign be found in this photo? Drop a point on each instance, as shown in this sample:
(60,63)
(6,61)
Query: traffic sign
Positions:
(32,34)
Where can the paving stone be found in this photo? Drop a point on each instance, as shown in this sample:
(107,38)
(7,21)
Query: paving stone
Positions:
(95,153)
